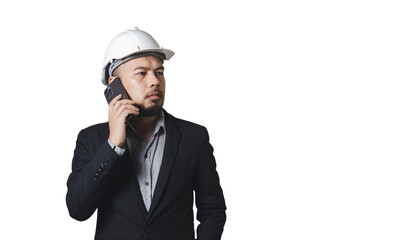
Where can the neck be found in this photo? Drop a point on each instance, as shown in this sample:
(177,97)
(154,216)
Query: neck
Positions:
(144,125)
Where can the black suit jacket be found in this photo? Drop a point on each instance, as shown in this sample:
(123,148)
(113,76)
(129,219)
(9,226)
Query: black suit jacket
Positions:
(102,180)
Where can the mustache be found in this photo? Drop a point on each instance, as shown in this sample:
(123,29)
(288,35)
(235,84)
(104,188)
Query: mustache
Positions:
(156,92)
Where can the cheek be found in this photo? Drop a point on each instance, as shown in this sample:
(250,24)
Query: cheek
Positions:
(137,96)
(162,85)
(135,93)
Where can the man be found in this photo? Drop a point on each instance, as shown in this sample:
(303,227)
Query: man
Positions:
(140,169)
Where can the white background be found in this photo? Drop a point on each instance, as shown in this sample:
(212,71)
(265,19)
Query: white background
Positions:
(302,99)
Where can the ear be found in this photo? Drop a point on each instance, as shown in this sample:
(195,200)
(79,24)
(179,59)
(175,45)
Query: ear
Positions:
(111,80)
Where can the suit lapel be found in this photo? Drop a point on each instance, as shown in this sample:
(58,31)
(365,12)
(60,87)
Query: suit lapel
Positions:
(172,140)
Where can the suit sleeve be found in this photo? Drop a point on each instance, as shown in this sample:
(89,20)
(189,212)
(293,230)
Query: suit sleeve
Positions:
(209,196)
(92,173)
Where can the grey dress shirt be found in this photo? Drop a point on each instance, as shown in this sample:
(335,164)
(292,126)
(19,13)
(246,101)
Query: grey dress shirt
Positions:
(147,157)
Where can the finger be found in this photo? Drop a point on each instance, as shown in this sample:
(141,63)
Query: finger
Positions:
(124,114)
(126,102)
(127,112)
(113,102)
(115,99)
(131,108)
(123,102)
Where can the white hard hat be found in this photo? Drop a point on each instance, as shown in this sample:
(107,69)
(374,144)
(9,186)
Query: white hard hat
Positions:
(127,43)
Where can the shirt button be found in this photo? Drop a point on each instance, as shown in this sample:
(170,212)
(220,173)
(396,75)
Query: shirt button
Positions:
(147,183)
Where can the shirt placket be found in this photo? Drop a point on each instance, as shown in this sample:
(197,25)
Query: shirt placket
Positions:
(147,174)
(147,179)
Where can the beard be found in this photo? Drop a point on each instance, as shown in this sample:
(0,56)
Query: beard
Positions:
(150,112)
(154,110)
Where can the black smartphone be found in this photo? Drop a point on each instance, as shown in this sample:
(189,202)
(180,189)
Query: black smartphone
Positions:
(114,89)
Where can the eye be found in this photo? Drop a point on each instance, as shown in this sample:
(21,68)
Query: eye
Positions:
(141,73)
(160,73)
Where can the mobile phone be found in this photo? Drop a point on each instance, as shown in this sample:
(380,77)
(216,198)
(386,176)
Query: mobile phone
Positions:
(114,89)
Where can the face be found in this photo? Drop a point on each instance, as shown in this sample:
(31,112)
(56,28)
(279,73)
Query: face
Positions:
(143,79)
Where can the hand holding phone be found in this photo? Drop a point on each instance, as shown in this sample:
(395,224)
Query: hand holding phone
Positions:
(121,109)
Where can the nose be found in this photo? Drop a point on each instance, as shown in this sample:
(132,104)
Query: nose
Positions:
(154,81)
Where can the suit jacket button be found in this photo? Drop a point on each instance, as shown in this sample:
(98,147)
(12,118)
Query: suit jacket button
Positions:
(147,229)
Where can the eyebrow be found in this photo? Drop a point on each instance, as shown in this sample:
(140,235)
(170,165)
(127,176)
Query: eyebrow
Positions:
(146,68)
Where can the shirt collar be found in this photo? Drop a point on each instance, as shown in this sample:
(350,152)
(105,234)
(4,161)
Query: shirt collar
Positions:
(160,123)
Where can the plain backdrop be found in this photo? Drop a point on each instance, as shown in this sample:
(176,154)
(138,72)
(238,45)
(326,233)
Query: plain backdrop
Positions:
(302,100)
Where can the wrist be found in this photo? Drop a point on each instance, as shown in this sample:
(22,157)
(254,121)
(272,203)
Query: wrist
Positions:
(115,142)
(118,150)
